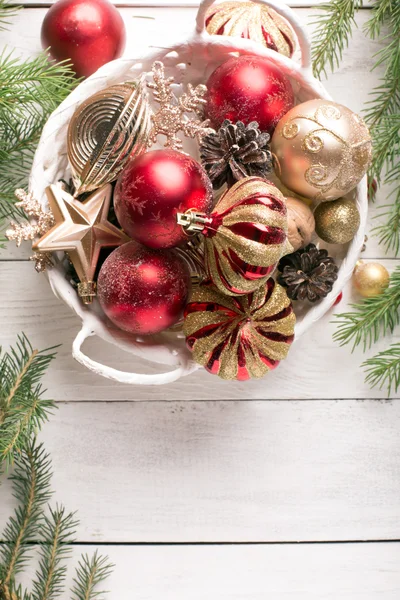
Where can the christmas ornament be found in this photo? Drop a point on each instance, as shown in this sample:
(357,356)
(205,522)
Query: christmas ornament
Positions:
(248,88)
(81,229)
(234,152)
(337,222)
(171,118)
(254,22)
(143,291)
(153,189)
(301,224)
(338,299)
(370,279)
(245,235)
(107,130)
(239,338)
(321,149)
(40,222)
(89,32)
(308,274)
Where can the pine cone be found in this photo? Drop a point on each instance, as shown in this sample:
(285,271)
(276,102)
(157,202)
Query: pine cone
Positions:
(308,274)
(234,152)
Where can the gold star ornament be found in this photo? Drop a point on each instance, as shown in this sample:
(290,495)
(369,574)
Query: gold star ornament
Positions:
(81,229)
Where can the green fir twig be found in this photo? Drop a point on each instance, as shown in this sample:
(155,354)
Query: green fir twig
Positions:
(7,11)
(90,573)
(383,369)
(372,318)
(22,406)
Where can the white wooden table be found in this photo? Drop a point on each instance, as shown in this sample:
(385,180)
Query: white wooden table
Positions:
(285,488)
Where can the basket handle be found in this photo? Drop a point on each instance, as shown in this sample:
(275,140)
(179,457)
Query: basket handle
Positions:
(283,10)
(123,376)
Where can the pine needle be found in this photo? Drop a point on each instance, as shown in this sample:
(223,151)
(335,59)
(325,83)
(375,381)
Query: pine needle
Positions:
(372,318)
(7,11)
(383,369)
(89,574)
(31,487)
(57,533)
(22,406)
(333,32)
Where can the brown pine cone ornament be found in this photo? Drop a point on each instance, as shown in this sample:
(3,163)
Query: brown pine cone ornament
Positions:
(236,151)
(308,274)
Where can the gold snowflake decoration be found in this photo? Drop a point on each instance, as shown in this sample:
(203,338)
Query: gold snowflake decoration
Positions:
(171,118)
(41,221)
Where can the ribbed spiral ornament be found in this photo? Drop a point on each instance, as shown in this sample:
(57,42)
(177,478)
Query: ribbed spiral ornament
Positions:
(105,131)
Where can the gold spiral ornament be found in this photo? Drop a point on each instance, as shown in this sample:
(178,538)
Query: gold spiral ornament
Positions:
(105,131)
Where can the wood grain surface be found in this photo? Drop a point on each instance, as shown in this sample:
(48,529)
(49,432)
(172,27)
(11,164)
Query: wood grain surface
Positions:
(204,489)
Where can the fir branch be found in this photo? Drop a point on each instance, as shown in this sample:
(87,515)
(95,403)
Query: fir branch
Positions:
(89,574)
(31,487)
(29,92)
(22,406)
(371,318)
(57,533)
(383,369)
(7,11)
(334,29)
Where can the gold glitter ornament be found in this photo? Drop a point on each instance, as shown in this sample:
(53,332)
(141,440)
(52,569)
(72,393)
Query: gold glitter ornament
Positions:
(252,21)
(337,222)
(244,236)
(370,279)
(171,118)
(81,229)
(321,150)
(107,130)
(239,338)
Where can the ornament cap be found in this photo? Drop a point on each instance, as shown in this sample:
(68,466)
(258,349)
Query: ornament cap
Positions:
(87,291)
(192,221)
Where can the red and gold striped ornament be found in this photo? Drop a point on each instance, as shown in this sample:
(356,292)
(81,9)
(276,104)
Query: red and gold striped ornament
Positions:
(254,22)
(244,237)
(239,338)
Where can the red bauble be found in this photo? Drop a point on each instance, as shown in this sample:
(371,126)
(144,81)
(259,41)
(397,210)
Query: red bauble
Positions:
(143,291)
(152,189)
(89,32)
(248,88)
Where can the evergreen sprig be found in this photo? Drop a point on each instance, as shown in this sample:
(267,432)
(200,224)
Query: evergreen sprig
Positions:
(372,318)
(31,487)
(7,11)
(22,406)
(383,369)
(90,573)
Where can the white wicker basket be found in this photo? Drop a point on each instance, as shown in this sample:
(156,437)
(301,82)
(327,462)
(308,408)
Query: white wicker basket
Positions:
(190,61)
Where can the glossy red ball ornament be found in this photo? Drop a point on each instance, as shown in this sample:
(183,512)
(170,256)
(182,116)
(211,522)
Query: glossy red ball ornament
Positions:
(89,32)
(248,88)
(152,189)
(143,291)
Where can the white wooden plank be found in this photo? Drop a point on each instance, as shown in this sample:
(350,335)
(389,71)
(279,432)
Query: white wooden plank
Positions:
(315,367)
(227,471)
(184,3)
(288,572)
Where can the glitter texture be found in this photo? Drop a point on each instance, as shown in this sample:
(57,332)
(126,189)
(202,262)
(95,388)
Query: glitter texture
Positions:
(321,150)
(239,338)
(252,21)
(337,222)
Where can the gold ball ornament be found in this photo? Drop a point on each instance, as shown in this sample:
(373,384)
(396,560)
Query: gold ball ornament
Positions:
(252,21)
(337,222)
(301,224)
(105,131)
(370,279)
(321,149)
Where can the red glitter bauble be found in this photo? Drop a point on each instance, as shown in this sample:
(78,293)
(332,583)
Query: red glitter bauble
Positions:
(143,291)
(152,189)
(248,88)
(89,32)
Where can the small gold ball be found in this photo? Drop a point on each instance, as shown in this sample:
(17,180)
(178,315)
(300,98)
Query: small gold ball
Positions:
(370,279)
(336,222)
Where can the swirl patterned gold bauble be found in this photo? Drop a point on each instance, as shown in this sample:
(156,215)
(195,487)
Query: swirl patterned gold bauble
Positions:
(245,235)
(254,22)
(337,222)
(105,131)
(321,150)
(239,338)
